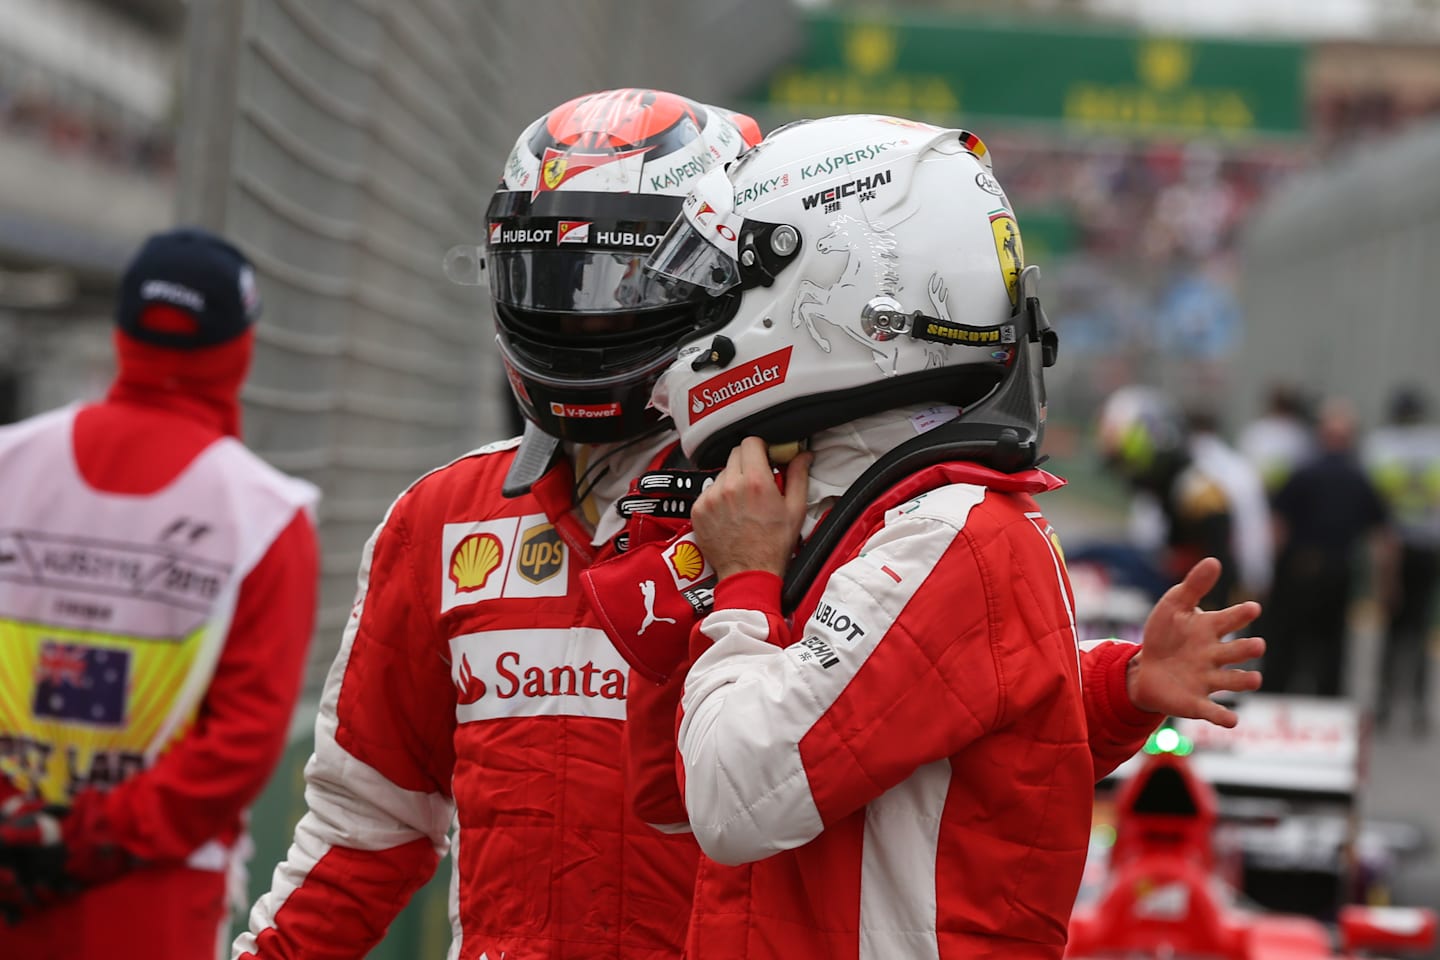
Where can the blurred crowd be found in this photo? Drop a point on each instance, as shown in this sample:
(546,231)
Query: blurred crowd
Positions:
(69,129)
(1310,514)
(1142,204)
(1341,117)
(1140,244)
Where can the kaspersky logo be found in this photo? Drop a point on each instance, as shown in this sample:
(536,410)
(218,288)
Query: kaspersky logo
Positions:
(735,385)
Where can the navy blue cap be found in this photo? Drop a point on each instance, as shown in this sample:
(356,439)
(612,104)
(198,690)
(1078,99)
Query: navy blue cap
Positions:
(187,288)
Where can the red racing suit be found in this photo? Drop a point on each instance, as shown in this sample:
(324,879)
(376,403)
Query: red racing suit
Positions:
(910,773)
(473,684)
(182,815)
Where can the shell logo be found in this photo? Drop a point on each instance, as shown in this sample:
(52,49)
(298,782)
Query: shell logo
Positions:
(473,560)
(687,560)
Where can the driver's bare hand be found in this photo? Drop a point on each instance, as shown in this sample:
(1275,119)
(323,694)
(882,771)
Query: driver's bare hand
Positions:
(742,520)
(1184,658)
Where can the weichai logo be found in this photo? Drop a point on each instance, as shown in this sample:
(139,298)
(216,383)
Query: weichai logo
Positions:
(734,385)
(863,187)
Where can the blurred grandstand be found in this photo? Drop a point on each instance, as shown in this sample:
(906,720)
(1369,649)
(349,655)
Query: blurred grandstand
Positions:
(347,144)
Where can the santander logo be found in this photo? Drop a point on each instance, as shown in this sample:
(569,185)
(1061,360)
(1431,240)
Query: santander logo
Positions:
(537,672)
(470,687)
(730,386)
(513,677)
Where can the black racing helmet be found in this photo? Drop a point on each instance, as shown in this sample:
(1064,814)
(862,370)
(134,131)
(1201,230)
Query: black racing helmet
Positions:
(587,194)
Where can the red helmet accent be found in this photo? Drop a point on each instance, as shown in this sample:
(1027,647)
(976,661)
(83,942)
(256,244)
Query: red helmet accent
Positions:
(618,119)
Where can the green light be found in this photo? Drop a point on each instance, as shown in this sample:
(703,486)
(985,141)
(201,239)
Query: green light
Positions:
(1185,747)
(1103,834)
(1167,739)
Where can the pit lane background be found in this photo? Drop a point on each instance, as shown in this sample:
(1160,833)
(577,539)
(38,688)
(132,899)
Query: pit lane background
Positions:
(347,144)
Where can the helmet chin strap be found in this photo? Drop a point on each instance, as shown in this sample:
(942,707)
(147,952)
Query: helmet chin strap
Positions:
(1002,431)
(535,456)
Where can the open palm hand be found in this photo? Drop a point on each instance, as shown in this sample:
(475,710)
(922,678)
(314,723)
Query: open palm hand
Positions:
(1184,657)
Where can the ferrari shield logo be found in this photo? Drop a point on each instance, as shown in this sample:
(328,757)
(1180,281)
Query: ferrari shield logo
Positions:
(1008,247)
(552,171)
(558,167)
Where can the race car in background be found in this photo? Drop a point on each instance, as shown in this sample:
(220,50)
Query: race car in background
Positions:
(1290,778)
(1290,783)
(1168,885)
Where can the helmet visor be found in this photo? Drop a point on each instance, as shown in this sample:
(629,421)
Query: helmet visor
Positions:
(579,282)
(573,252)
(685,257)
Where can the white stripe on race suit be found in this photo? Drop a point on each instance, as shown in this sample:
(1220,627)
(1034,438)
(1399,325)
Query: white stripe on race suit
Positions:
(456,935)
(747,706)
(350,804)
(212,856)
(898,901)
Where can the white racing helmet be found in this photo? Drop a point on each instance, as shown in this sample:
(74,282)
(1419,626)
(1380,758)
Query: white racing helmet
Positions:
(875,263)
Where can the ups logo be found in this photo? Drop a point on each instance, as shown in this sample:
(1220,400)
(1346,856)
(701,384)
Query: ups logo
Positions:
(541,553)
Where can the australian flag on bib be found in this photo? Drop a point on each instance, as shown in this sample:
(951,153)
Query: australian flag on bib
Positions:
(81,684)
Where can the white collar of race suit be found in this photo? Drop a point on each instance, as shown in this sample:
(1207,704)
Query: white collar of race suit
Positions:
(843,453)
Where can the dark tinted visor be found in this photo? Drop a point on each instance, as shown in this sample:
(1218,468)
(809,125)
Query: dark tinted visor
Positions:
(579,252)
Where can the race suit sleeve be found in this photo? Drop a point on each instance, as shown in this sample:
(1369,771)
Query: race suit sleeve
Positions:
(1116,727)
(201,785)
(1117,730)
(377,786)
(892,673)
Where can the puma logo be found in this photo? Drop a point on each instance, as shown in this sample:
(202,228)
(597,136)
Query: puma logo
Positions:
(647,596)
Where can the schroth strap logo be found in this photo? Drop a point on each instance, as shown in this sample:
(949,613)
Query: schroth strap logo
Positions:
(726,388)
